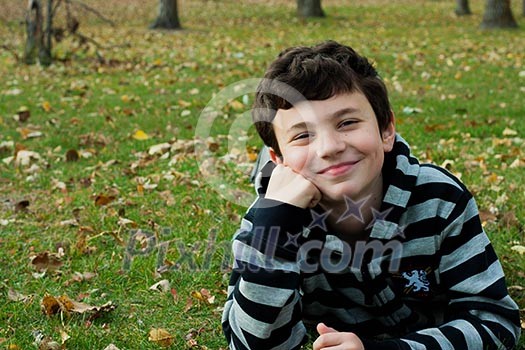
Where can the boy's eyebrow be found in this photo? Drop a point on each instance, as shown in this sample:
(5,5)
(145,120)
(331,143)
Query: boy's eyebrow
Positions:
(298,126)
(344,111)
(337,114)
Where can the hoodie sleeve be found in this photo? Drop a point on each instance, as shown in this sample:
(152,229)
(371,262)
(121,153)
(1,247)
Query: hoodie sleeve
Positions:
(263,308)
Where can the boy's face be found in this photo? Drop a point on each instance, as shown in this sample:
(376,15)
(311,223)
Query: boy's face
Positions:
(336,144)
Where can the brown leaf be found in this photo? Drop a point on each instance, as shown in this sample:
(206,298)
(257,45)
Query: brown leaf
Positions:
(80,277)
(189,304)
(102,200)
(46,262)
(72,155)
(23,115)
(175,295)
(487,216)
(50,305)
(509,219)
(161,337)
(21,205)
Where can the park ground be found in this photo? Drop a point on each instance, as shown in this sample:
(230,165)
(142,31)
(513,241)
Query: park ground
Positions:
(111,229)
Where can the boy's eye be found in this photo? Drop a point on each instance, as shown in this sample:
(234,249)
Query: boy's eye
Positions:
(347,123)
(301,136)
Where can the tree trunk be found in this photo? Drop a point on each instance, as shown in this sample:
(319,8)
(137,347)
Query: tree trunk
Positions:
(168,16)
(463,8)
(35,34)
(38,40)
(498,14)
(45,50)
(309,8)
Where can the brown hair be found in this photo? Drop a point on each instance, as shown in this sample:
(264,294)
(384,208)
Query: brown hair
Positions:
(316,73)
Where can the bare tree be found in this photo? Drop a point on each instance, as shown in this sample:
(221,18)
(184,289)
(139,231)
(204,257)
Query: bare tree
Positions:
(309,8)
(498,14)
(168,17)
(40,35)
(463,8)
(38,40)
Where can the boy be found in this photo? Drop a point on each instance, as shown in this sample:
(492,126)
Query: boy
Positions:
(350,235)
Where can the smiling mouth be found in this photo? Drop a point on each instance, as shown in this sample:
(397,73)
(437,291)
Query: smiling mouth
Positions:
(337,169)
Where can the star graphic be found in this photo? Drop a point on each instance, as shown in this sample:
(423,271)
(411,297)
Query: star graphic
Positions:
(292,239)
(353,209)
(319,220)
(400,231)
(378,216)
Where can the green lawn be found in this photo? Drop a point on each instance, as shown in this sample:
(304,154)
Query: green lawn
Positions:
(122,217)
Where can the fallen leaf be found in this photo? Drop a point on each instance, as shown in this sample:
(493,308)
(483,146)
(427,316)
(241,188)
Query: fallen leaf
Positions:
(203,295)
(236,105)
(13,295)
(72,155)
(46,106)
(518,248)
(161,337)
(23,115)
(24,157)
(102,200)
(140,135)
(111,347)
(63,304)
(64,337)
(80,277)
(509,132)
(161,148)
(517,163)
(49,305)
(161,286)
(174,294)
(189,304)
(124,222)
(48,344)
(46,262)
(21,206)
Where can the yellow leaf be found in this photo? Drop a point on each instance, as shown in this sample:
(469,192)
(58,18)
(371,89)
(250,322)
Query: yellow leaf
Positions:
(140,135)
(124,98)
(46,106)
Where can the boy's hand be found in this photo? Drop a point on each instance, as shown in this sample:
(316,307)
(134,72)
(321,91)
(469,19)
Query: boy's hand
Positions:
(330,339)
(290,187)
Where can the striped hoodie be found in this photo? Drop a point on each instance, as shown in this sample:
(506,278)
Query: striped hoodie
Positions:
(426,278)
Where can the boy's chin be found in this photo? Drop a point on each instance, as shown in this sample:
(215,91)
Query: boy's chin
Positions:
(336,198)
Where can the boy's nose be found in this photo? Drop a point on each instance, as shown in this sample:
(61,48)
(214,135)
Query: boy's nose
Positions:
(329,145)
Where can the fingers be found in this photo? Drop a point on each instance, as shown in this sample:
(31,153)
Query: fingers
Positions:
(290,187)
(323,329)
(333,340)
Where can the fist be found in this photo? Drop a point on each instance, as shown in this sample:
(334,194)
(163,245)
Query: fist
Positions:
(290,187)
(329,338)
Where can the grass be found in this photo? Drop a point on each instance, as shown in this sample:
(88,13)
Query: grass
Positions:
(466,82)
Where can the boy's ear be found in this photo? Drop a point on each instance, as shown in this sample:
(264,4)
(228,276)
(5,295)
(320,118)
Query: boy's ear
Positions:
(274,157)
(389,133)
